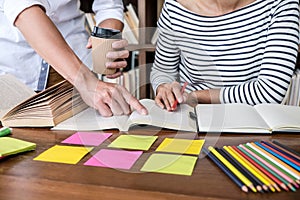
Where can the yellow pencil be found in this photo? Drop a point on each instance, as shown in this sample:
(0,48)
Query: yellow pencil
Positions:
(247,165)
(245,180)
(266,180)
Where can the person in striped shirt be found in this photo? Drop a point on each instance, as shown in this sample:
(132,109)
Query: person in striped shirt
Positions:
(228,51)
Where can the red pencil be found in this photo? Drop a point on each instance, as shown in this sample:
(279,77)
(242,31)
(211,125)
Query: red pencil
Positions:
(174,106)
(269,146)
(262,170)
(285,150)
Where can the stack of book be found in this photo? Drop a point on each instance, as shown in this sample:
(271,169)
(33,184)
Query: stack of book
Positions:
(259,166)
(131,25)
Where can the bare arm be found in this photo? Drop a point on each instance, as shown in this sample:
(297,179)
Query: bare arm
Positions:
(43,36)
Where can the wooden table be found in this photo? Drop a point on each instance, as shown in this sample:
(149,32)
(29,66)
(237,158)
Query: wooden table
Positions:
(23,178)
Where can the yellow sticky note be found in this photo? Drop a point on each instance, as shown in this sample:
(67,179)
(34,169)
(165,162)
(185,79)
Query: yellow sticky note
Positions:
(170,164)
(139,142)
(182,146)
(64,154)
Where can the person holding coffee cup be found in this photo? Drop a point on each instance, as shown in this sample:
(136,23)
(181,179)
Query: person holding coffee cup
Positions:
(37,34)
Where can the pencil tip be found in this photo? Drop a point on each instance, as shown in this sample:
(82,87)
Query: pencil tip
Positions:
(252,188)
(265,188)
(272,189)
(244,189)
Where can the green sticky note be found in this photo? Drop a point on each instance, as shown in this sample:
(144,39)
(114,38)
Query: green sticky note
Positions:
(182,146)
(10,146)
(137,142)
(170,164)
(64,154)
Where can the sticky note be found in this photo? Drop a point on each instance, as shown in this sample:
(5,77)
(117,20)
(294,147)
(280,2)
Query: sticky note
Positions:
(10,146)
(137,142)
(87,138)
(64,154)
(117,159)
(170,164)
(183,146)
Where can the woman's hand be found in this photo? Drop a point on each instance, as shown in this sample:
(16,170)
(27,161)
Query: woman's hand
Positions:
(167,94)
(118,55)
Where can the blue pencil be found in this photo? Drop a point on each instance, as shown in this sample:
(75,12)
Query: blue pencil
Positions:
(257,183)
(286,148)
(283,152)
(226,171)
(280,157)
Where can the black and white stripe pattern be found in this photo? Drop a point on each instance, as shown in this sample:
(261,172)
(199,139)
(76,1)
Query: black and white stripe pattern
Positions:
(250,54)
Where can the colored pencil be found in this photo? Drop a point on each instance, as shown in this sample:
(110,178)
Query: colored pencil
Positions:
(286,151)
(253,156)
(271,165)
(279,173)
(291,170)
(287,148)
(245,180)
(234,178)
(283,154)
(273,152)
(272,161)
(256,182)
(266,172)
(266,183)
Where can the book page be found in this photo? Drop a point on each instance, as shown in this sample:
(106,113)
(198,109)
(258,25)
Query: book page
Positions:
(91,120)
(12,93)
(230,118)
(177,120)
(280,117)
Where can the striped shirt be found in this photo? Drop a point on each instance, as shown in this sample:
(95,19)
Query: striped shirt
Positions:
(249,54)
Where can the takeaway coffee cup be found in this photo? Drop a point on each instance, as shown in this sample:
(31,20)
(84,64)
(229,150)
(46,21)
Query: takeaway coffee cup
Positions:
(102,39)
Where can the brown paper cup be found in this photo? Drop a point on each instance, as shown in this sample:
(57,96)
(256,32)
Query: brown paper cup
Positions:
(100,47)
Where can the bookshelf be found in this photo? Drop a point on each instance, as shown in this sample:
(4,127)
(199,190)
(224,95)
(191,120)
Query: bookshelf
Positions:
(148,12)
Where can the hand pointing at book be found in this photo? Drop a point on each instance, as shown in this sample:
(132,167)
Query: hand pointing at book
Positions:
(108,98)
(46,40)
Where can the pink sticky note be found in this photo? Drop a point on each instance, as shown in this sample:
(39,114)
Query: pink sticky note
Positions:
(87,138)
(119,159)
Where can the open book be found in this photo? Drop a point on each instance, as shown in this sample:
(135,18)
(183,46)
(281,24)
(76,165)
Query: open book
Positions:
(243,118)
(12,93)
(225,118)
(90,119)
(47,108)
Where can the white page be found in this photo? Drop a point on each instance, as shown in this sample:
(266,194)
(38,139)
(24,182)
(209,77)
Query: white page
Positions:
(12,93)
(90,120)
(177,120)
(230,118)
(280,116)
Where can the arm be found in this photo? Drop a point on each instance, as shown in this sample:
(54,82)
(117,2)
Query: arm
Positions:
(109,14)
(278,60)
(47,41)
(164,72)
